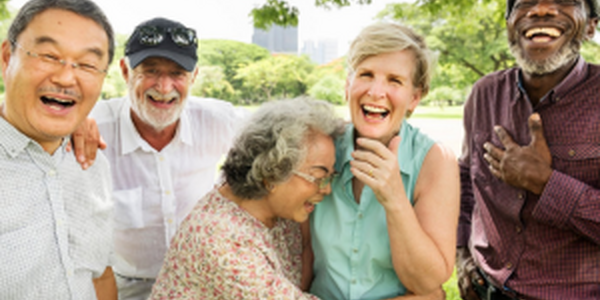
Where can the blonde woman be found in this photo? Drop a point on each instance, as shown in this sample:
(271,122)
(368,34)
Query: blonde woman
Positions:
(388,228)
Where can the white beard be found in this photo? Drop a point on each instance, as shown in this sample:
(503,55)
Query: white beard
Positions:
(158,118)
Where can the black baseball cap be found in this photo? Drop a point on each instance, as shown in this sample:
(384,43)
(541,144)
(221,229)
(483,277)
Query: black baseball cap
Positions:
(161,37)
(593,4)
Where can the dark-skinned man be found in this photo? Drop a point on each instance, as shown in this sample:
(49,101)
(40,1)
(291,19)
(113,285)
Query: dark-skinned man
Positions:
(530,170)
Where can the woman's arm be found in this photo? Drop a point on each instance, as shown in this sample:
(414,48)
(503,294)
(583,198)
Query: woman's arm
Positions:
(423,238)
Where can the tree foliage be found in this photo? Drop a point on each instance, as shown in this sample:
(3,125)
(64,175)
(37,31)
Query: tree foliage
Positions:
(280,12)
(280,76)
(468,43)
(211,83)
(230,56)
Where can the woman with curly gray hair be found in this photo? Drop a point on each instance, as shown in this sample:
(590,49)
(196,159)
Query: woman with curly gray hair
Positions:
(243,240)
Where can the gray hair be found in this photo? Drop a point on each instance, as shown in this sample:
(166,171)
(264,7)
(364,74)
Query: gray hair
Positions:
(274,142)
(385,37)
(84,8)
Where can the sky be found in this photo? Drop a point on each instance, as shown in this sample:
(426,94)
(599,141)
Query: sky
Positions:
(228,19)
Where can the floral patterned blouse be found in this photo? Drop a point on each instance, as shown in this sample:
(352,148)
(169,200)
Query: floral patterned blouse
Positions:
(222,252)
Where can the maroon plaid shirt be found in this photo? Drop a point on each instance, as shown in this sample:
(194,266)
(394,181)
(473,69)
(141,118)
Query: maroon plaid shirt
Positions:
(547,246)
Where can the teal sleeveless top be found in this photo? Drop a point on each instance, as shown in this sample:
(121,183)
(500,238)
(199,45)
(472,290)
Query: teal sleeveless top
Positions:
(350,240)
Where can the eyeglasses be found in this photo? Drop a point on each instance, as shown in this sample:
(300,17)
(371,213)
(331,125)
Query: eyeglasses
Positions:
(51,62)
(320,182)
(182,37)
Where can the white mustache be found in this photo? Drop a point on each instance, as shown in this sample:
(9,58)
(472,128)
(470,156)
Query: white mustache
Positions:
(156,95)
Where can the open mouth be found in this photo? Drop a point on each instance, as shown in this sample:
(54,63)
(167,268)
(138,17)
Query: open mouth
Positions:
(56,103)
(162,101)
(542,34)
(374,112)
(310,206)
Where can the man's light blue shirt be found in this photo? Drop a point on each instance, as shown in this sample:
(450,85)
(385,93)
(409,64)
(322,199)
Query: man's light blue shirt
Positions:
(350,240)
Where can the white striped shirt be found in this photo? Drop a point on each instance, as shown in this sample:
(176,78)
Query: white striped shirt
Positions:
(155,190)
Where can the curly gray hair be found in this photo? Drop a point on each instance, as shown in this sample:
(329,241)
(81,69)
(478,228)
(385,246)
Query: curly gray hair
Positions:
(274,142)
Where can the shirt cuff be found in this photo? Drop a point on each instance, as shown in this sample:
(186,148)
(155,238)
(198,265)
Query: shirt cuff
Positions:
(558,200)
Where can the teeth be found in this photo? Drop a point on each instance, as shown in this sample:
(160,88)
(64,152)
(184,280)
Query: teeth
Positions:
(374,109)
(553,32)
(61,101)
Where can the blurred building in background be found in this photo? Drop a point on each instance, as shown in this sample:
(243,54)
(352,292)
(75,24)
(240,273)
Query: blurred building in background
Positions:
(321,51)
(277,39)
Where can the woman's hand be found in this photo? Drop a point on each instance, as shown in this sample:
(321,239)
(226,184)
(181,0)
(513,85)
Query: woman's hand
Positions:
(377,166)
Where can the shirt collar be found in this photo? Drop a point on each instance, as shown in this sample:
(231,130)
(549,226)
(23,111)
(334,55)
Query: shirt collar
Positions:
(131,139)
(15,142)
(575,76)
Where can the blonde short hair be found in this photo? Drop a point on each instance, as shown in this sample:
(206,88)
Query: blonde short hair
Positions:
(385,37)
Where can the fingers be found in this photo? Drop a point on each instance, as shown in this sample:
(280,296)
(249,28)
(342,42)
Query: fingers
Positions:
(85,142)
(78,142)
(504,137)
(537,131)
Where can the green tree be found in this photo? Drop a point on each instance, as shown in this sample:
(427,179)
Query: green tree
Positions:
(210,82)
(327,81)
(230,56)
(329,88)
(114,84)
(280,76)
(468,44)
(280,12)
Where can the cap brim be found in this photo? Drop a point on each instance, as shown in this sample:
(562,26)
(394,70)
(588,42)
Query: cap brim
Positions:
(184,61)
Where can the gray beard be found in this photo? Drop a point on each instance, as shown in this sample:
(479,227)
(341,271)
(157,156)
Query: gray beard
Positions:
(567,54)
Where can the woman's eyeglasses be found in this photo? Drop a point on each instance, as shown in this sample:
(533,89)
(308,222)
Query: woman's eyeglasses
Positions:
(320,182)
(182,37)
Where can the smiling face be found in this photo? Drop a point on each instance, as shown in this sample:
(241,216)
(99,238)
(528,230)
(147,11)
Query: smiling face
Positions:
(295,198)
(545,36)
(380,92)
(47,100)
(158,88)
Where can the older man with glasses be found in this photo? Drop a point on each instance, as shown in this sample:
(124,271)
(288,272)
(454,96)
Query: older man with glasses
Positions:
(163,146)
(55,219)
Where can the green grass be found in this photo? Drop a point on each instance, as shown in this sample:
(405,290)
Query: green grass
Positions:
(451,288)
(435,112)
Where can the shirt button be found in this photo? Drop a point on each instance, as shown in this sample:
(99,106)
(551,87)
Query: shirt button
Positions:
(167,193)
(571,153)
(51,173)
(353,281)
(360,216)
(509,266)
(520,196)
(518,229)
(355,250)
(162,158)
(170,221)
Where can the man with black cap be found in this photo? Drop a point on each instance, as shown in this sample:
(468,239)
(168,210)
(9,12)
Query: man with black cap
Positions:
(163,147)
(530,170)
